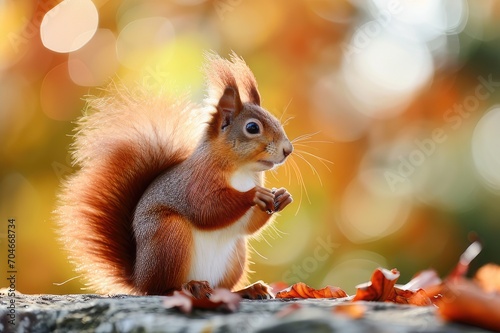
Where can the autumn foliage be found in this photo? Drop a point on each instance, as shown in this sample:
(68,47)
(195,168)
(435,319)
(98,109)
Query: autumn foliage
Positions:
(475,302)
(302,290)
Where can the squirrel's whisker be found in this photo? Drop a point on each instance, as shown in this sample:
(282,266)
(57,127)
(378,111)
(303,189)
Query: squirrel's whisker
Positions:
(305,145)
(254,250)
(314,170)
(278,231)
(284,113)
(288,120)
(301,183)
(322,160)
(304,137)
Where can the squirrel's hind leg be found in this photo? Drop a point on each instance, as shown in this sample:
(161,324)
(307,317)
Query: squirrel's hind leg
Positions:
(199,289)
(257,290)
(163,257)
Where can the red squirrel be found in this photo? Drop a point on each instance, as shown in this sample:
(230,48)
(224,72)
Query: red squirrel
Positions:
(168,192)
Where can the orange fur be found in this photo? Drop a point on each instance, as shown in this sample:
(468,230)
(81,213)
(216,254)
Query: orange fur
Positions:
(163,263)
(124,140)
(154,178)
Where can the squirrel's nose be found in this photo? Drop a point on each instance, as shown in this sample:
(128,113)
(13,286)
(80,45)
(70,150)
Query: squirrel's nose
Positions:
(287,150)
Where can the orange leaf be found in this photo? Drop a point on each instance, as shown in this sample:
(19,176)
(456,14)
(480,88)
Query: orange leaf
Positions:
(180,301)
(351,310)
(423,280)
(288,310)
(427,280)
(418,297)
(488,277)
(465,302)
(221,299)
(302,290)
(463,264)
(276,287)
(380,288)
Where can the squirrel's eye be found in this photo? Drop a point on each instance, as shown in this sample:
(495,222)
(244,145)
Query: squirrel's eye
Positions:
(252,128)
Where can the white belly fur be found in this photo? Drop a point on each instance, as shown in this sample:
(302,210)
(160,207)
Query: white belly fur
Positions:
(213,252)
(243,180)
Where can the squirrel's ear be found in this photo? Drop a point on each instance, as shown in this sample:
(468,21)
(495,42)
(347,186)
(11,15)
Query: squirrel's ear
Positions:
(228,107)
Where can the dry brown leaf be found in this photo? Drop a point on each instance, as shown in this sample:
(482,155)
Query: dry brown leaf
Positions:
(351,310)
(302,290)
(380,287)
(276,287)
(180,301)
(221,299)
(418,297)
(464,301)
(426,279)
(288,310)
(462,267)
(488,278)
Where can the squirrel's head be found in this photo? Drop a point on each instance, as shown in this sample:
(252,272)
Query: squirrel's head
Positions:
(252,135)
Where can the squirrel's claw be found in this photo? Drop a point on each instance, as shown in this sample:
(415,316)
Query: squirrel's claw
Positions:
(271,201)
(282,198)
(257,290)
(264,199)
(198,289)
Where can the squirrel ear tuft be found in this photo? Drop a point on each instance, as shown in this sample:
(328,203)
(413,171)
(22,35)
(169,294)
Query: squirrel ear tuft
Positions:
(229,106)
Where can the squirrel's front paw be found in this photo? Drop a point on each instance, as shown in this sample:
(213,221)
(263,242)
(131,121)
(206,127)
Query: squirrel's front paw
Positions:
(273,200)
(282,198)
(264,199)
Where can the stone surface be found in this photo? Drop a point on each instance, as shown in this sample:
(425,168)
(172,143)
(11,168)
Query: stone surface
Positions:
(93,313)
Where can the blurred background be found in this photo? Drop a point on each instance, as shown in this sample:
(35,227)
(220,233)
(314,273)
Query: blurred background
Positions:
(402,97)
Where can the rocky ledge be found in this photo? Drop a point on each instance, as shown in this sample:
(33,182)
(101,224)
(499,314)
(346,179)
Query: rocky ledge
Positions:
(123,313)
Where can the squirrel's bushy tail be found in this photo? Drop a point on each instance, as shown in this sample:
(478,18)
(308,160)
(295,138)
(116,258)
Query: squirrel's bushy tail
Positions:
(124,140)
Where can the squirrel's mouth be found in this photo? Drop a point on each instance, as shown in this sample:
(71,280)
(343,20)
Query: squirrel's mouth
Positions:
(267,164)
(270,164)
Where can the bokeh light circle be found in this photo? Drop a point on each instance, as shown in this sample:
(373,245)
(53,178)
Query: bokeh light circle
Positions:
(143,40)
(383,72)
(353,269)
(367,215)
(96,62)
(69,25)
(486,148)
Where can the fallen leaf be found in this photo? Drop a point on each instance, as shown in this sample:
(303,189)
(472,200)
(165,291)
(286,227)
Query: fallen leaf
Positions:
(288,310)
(488,278)
(464,301)
(380,287)
(278,286)
(302,290)
(428,278)
(221,299)
(351,310)
(462,267)
(180,301)
(414,297)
